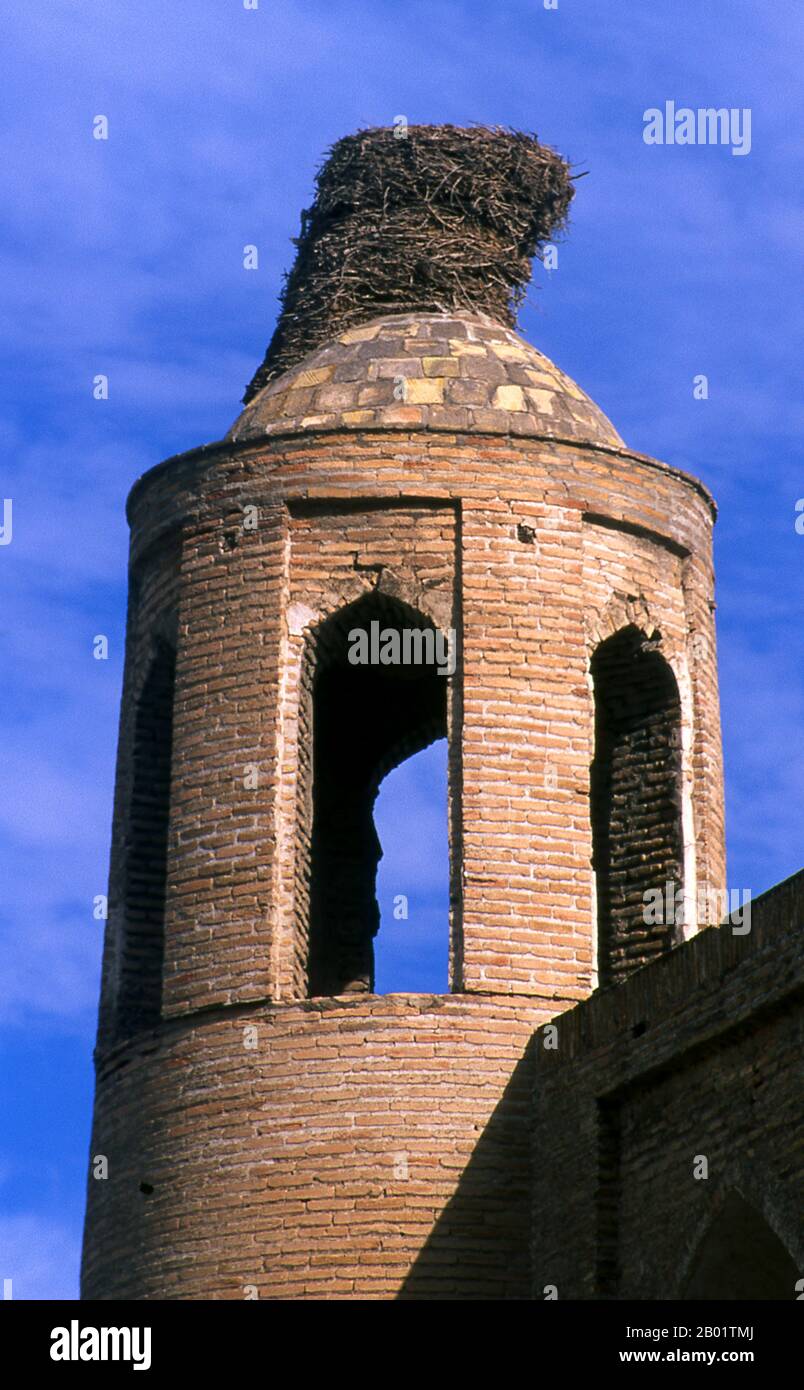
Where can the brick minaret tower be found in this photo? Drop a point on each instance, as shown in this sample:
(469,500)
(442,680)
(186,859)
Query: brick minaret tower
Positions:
(272,1126)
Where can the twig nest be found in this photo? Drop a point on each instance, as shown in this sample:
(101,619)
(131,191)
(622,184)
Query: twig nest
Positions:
(445,218)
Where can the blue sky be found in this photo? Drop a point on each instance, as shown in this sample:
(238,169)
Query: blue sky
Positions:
(124,257)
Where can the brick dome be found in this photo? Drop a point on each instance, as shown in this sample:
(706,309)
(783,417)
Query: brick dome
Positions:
(431,371)
(273,1126)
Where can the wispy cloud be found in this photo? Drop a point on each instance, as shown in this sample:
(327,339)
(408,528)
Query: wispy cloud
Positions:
(40,1257)
(125,257)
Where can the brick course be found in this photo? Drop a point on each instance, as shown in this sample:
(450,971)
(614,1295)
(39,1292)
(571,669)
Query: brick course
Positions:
(698,1054)
(535,542)
(337,1158)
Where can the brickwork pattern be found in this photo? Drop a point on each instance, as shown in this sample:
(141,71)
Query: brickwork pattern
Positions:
(431,371)
(360,1149)
(697,1055)
(151,631)
(528,621)
(142,963)
(490,526)
(342,555)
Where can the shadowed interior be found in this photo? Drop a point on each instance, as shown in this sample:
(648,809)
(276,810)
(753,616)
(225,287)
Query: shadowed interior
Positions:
(635,798)
(365,720)
(740,1257)
(140,984)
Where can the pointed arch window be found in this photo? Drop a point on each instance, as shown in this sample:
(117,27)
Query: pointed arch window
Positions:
(635,793)
(359,719)
(741,1257)
(139,997)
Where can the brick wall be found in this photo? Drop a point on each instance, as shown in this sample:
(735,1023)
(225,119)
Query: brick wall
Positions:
(271,1166)
(349,564)
(696,1057)
(137,879)
(360,1147)
(139,999)
(482,534)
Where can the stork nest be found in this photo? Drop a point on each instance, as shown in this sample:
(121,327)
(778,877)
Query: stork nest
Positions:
(445,218)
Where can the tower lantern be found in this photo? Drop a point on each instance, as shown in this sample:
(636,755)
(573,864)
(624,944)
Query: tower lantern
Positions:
(404,457)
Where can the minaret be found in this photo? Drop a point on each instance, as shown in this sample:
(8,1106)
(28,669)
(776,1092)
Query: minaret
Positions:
(273,1128)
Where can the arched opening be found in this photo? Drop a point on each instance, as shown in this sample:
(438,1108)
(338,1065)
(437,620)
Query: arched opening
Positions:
(139,998)
(635,795)
(411,953)
(741,1257)
(372,696)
